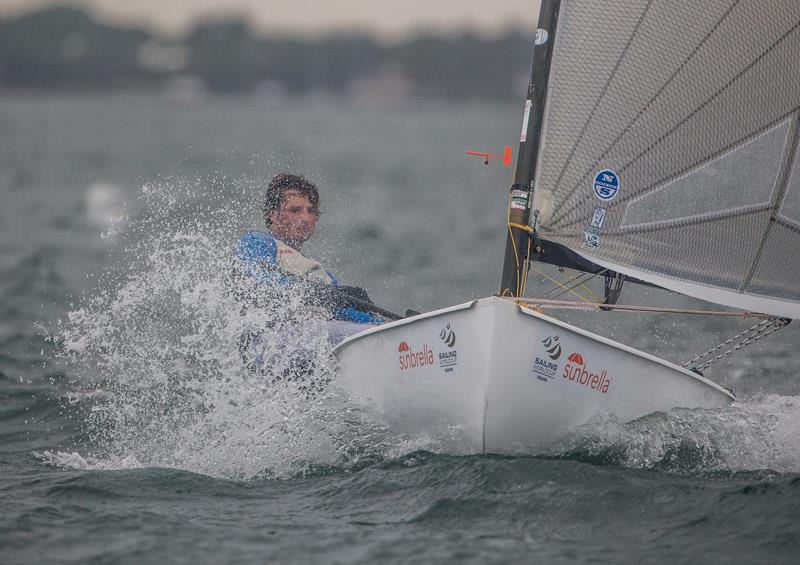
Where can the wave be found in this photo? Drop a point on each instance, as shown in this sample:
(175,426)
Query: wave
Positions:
(761,433)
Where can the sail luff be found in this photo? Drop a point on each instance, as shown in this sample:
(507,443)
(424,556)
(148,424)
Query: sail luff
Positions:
(516,250)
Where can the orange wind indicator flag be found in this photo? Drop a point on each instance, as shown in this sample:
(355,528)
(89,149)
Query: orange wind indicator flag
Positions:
(505,157)
(507,153)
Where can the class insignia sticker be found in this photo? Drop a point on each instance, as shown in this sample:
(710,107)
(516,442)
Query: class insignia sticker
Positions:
(591,240)
(606,185)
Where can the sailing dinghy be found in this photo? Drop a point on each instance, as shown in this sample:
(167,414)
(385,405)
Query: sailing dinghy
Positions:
(659,145)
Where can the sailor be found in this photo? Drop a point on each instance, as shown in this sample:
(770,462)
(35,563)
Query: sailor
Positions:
(273,257)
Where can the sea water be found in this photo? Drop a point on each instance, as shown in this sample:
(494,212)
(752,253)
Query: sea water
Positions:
(131,430)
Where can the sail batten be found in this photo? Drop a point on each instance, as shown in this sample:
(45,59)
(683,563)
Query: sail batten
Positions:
(688,112)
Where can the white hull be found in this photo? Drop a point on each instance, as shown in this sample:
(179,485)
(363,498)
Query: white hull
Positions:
(490,385)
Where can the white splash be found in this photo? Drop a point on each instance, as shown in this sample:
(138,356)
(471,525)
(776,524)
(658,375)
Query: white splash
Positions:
(162,380)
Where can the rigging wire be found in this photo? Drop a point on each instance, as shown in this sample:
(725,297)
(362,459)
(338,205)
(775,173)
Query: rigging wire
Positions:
(555,288)
(522,277)
(570,289)
(749,336)
(571,305)
(767,326)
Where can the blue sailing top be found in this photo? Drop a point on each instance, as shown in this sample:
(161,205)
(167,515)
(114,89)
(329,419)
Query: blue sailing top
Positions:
(271,261)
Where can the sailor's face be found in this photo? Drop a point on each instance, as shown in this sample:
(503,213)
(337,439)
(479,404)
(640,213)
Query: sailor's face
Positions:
(294,223)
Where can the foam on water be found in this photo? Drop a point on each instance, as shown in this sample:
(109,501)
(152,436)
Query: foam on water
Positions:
(760,433)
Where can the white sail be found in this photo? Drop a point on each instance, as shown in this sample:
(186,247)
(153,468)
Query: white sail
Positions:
(669,148)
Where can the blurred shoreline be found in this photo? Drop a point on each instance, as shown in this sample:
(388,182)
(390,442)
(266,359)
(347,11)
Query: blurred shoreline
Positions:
(63,49)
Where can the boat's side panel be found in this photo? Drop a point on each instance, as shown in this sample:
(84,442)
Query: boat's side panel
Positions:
(507,379)
(426,376)
(549,378)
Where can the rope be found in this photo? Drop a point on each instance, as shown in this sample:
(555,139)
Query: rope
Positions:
(569,305)
(513,241)
(749,336)
(567,289)
(522,282)
(576,278)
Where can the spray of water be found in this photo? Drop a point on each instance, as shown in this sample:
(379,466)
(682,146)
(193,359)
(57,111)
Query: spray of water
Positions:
(162,380)
(163,376)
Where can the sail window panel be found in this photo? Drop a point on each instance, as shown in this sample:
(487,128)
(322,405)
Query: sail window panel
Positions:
(772,91)
(640,72)
(764,94)
(790,207)
(745,176)
(717,99)
(698,114)
(777,272)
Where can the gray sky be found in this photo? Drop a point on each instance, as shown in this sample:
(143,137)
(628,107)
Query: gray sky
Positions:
(391,19)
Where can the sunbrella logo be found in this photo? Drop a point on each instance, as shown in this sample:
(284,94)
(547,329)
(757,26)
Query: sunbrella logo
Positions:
(448,336)
(578,372)
(410,359)
(545,369)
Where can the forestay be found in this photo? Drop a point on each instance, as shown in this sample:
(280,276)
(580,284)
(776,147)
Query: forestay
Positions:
(669,148)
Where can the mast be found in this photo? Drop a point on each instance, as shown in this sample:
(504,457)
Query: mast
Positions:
(516,263)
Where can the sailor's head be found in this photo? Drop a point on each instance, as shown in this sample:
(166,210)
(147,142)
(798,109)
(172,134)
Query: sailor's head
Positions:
(291,208)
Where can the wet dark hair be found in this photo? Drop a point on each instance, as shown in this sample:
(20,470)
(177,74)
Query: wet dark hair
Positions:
(278,186)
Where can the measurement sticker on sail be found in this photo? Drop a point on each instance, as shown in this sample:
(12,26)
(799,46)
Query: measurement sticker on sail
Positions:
(598,217)
(545,366)
(606,185)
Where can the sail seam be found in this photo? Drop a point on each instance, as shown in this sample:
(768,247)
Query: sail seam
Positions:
(690,220)
(644,227)
(788,223)
(776,198)
(689,116)
(641,112)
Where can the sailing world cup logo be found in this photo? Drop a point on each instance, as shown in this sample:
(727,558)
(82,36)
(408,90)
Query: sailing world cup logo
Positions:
(544,366)
(448,336)
(553,347)
(448,359)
